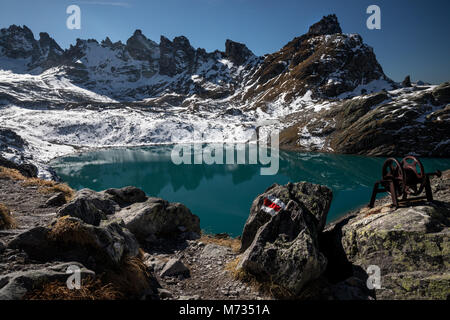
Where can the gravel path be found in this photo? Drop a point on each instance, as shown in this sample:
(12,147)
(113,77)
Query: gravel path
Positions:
(209,275)
(27,206)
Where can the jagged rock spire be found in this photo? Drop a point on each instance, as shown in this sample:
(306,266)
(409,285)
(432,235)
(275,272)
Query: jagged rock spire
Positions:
(237,52)
(140,47)
(327,25)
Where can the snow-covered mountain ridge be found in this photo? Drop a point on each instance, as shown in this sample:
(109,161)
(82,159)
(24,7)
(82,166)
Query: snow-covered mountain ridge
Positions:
(104,94)
(323,61)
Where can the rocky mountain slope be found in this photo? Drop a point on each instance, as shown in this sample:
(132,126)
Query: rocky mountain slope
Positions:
(395,123)
(143,92)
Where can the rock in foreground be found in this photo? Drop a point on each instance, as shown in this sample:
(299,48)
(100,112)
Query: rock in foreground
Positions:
(410,245)
(157,218)
(285,247)
(147,218)
(174,267)
(70,239)
(89,206)
(312,198)
(15,286)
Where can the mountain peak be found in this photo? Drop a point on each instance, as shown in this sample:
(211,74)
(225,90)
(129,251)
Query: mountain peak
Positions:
(307,63)
(18,29)
(46,41)
(16,33)
(181,41)
(107,42)
(44,36)
(137,32)
(327,25)
(237,52)
(18,42)
(164,41)
(139,46)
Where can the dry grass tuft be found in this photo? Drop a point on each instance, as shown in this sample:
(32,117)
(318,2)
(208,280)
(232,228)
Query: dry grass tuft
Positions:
(48,186)
(242,275)
(231,267)
(129,281)
(263,286)
(12,174)
(132,278)
(90,290)
(6,219)
(70,232)
(45,186)
(233,243)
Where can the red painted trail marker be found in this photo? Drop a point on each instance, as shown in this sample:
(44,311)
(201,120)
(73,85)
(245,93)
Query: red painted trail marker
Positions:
(272,205)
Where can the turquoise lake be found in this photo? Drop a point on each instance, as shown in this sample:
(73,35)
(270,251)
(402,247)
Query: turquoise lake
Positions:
(221,195)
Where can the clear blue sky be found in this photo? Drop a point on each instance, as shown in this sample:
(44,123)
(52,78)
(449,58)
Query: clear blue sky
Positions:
(414,37)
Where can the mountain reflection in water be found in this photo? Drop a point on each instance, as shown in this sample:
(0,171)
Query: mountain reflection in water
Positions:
(221,195)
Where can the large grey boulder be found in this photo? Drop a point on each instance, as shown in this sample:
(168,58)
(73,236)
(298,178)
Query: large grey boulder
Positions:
(70,239)
(127,195)
(56,200)
(89,206)
(409,245)
(313,199)
(92,207)
(157,218)
(285,250)
(14,286)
